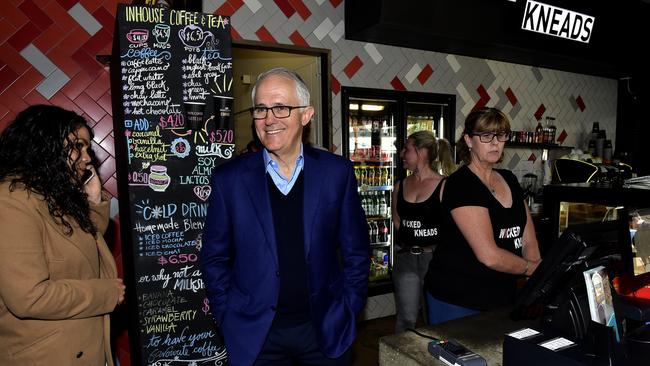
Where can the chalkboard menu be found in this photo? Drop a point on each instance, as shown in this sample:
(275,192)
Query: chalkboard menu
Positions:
(171,78)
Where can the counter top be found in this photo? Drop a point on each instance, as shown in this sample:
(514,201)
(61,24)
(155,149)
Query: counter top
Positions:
(603,193)
(482,333)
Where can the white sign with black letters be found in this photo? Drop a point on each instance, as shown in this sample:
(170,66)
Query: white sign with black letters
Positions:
(547,19)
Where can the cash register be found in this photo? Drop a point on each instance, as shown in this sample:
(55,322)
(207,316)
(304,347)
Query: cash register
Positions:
(556,295)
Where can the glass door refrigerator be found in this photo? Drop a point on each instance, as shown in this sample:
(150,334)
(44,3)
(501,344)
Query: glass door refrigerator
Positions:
(375,126)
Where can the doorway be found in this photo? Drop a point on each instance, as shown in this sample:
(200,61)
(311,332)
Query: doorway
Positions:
(313,65)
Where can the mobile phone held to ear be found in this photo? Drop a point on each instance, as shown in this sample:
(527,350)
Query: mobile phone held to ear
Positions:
(87,176)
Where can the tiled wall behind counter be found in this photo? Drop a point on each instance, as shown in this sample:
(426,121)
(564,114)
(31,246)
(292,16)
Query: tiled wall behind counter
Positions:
(48,48)
(527,94)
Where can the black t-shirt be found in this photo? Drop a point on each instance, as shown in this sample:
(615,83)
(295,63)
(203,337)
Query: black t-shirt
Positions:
(419,222)
(455,274)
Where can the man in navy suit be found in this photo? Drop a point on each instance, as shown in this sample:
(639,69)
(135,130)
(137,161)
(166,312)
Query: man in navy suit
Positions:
(285,253)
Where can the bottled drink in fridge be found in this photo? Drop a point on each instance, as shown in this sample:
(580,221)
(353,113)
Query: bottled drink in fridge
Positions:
(374,237)
(387,177)
(389,228)
(383,231)
(375,204)
(361,176)
(378,235)
(375,135)
(383,206)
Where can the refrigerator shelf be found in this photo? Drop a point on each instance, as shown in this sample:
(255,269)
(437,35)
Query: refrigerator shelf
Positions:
(380,286)
(372,162)
(377,218)
(379,245)
(379,277)
(365,188)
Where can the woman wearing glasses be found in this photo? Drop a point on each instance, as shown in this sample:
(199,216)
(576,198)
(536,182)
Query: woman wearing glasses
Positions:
(490,238)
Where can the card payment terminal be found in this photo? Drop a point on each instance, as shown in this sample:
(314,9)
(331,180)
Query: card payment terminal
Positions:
(453,353)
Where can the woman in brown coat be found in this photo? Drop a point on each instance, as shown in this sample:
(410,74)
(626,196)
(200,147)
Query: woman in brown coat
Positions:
(58,280)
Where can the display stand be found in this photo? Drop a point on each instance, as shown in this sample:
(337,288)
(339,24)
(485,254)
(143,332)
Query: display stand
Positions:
(601,344)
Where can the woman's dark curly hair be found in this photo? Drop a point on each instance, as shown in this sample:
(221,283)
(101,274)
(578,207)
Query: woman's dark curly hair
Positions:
(34,153)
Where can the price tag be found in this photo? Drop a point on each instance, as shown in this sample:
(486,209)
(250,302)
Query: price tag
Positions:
(557,344)
(524,333)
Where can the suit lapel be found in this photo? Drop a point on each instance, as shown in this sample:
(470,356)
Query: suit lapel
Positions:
(313,179)
(254,179)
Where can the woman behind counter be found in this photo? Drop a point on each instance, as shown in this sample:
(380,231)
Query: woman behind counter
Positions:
(490,240)
(58,279)
(416,215)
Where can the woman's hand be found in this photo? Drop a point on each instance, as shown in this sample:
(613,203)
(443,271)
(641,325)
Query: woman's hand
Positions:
(532,266)
(121,291)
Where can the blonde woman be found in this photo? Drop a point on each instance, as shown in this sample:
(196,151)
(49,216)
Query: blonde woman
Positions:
(417,216)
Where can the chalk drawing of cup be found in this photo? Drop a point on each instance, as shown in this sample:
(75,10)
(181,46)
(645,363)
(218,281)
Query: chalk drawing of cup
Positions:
(161,32)
(193,36)
(138,36)
(194,115)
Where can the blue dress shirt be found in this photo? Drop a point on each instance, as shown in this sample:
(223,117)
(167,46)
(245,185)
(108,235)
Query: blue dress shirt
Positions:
(283,184)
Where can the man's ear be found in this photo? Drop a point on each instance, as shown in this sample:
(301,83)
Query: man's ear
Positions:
(307,114)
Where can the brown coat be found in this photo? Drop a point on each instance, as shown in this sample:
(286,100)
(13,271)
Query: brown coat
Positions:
(55,290)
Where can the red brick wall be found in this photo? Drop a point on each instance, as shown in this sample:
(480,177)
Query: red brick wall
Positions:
(47,26)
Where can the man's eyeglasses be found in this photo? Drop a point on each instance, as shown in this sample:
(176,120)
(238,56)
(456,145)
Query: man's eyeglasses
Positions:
(279,111)
(487,137)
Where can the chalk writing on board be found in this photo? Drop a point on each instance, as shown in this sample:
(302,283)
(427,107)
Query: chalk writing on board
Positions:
(169,60)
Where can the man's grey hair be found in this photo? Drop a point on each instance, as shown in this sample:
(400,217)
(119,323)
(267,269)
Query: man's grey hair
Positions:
(301,88)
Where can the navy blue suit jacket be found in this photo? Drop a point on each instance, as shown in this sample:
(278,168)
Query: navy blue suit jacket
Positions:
(239,253)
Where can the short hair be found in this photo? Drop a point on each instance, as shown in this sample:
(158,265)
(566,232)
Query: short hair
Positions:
(484,119)
(302,92)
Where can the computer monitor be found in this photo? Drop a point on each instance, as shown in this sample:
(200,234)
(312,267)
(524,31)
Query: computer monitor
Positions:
(579,247)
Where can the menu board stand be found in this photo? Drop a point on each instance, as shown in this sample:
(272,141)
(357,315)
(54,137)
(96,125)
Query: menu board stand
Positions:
(171,76)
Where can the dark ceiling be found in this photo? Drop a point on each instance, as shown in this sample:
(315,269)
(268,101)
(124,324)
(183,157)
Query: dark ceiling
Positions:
(492,29)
